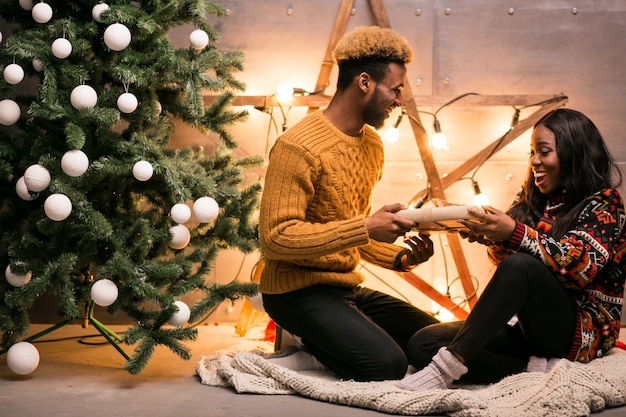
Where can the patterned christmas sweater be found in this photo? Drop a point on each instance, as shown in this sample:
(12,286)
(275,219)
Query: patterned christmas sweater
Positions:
(588,261)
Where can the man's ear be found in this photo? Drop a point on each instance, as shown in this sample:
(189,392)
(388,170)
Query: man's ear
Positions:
(364,82)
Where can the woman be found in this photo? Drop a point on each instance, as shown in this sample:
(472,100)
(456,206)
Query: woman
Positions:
(561,267)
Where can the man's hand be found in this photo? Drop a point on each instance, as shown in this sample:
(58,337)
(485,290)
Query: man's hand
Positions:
(420,249)
(473,237)
(385,226)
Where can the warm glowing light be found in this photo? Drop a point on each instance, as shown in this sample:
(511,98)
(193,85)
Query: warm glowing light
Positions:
(439,140)
(441,313)
(284,92)
(481,199)
(391,135)
(444,315)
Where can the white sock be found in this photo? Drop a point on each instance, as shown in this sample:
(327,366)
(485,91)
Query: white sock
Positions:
(444,369)
(537,364)
(298,361)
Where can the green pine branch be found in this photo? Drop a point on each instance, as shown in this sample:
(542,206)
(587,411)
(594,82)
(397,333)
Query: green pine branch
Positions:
(119,227)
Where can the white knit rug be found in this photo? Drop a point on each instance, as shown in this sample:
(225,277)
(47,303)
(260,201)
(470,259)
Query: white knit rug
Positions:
(569,389)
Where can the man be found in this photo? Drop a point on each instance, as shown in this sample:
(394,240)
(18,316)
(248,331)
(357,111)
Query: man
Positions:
(316,223)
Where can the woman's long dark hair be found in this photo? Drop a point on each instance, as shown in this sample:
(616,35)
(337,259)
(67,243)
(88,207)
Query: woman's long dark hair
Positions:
(586,167)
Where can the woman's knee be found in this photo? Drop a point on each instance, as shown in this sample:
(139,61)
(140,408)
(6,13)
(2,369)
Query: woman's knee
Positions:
(517,262)
(521,272)
(426,342)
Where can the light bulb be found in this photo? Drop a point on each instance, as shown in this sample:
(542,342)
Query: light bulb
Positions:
(480,199)
(439,141)
(444,315)
(284,92)
(391,135)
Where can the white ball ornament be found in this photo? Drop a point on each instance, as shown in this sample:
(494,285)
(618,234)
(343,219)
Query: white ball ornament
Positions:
(97,10)
(9,112)
(142,170)
(83,97)
(104,292)
(36,178)
(23,358)
(17,280)
(181,316)
(205,209)
(61,48)
(127,103)
(37,65)
(26,4)
(180,237)
(13,74)
(57,207)
(42,12)
(117,36)
(22,190)
(180,213)
(198,39)
(74,163)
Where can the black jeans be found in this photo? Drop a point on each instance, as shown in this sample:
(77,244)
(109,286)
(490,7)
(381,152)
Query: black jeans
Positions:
(358,333)
(492,349)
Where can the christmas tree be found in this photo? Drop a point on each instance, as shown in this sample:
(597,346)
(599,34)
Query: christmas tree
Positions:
(96,205)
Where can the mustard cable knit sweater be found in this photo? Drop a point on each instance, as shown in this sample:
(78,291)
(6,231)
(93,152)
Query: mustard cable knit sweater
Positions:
(317,194)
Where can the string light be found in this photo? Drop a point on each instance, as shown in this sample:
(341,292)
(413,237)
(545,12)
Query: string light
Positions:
(284,92)
(439,140)
(480,199)
(392,134)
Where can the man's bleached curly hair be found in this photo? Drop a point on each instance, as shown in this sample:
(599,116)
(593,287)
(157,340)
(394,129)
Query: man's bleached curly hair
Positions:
(372,43)
(369,49)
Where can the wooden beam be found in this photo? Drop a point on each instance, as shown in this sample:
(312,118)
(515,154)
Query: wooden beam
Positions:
(477,159)
(497,145)
(321,100)
(437,190)
(380,14)
(339,28)
(428,290)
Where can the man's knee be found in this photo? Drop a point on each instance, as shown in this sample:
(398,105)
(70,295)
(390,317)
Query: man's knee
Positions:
(391,367)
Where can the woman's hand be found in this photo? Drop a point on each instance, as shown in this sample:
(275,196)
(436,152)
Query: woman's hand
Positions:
(491,223)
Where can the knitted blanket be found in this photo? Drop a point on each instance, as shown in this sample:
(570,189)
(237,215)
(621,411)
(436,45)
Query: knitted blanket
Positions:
(569,389)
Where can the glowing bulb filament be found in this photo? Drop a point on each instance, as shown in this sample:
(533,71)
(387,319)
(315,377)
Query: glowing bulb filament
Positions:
(284,92)
(391,135)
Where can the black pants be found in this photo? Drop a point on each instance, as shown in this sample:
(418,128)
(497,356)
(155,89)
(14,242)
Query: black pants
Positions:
(358,333)
(521,286)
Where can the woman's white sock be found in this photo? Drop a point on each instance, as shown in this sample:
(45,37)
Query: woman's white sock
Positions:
(444,369)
